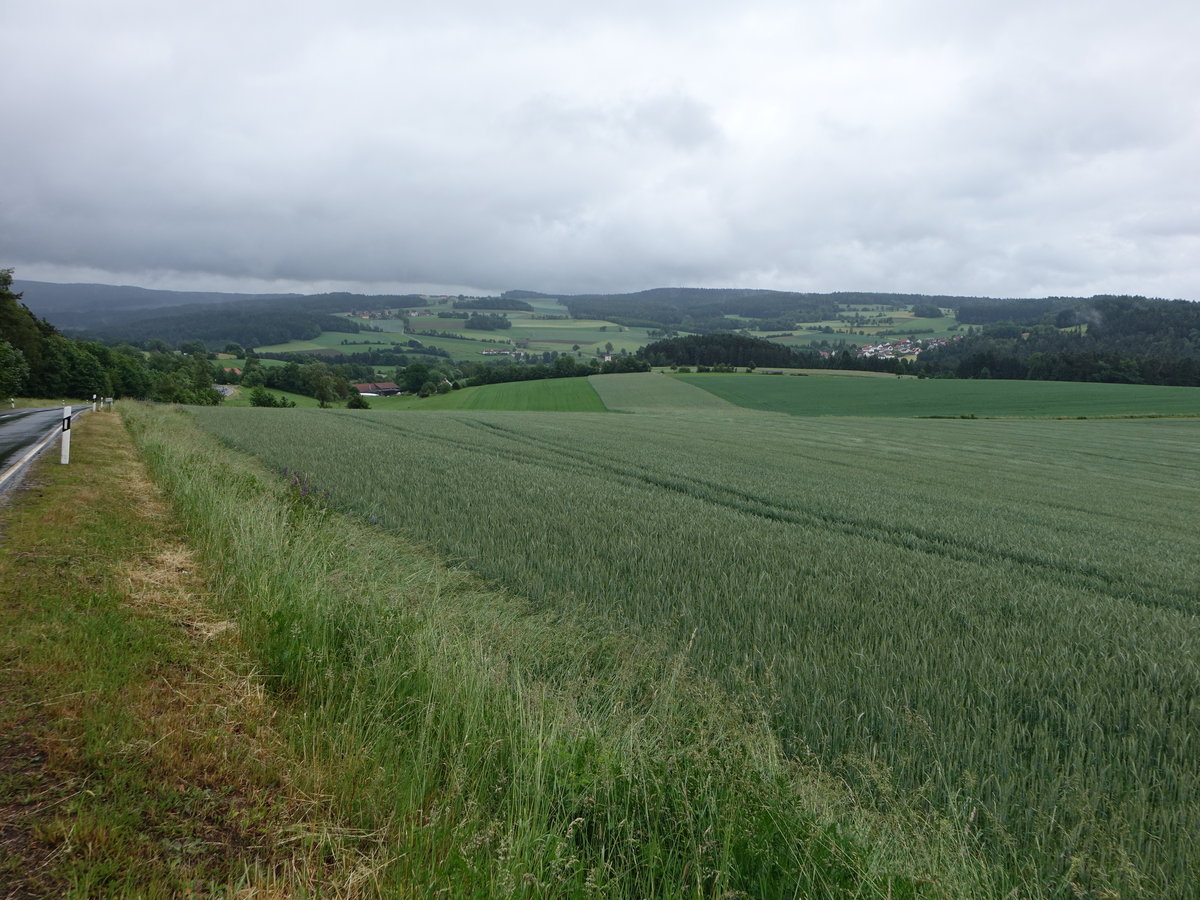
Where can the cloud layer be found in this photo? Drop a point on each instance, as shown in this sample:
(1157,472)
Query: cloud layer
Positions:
(1020,150)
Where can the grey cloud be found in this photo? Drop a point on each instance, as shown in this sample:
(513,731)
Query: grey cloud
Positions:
(1015,149)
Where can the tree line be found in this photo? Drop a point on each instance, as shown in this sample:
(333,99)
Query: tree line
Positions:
(1126,339)
(37,361)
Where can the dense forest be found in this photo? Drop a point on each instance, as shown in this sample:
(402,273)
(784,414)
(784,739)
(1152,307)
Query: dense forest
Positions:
(709,310)
(725,349)
(139,316)
(37,361)
(274,322)
(562,366)
(1109,339)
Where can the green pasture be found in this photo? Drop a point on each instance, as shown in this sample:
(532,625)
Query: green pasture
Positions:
(302,346)
(903,324)
(241,397)
(546,395)
(540,335)
(460,349)
(997,619)
(393,339)
(548,306)
(241,363)
(653,391)
(911,397)
(385,326)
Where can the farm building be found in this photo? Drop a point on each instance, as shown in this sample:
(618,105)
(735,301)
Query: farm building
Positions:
(378,388)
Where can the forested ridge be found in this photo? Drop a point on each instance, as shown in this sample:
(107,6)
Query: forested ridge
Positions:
(109,313)
(1101,338)
(1108,339)
(37,361)
(703,310)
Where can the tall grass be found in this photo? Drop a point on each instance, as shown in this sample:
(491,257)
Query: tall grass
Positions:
(495,750)
(991,617)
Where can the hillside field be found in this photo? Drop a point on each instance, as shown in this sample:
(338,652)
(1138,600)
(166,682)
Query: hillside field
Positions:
(547,328)
(546,395)
(997,618)
(890,396)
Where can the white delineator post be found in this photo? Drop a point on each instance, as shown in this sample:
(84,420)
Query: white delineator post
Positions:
(66,435)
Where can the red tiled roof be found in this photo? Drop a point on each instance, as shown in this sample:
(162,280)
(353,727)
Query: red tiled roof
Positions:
(372,387)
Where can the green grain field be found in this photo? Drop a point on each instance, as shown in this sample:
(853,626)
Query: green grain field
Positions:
(996,619)
(542,395)
(892,396)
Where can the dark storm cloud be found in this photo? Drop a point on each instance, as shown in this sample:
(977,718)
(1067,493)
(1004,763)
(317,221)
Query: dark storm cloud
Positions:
(924,146)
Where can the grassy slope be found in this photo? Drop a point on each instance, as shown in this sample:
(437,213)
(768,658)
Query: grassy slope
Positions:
(645,391)
(241,397)
(547,394)
(516,752)
(550,394)
(542,335)
(822,396)
(941,597)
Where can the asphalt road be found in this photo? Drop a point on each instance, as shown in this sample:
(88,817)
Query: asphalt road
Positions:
(22,428)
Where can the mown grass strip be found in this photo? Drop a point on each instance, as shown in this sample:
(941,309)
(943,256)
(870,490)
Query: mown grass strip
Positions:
(136,754)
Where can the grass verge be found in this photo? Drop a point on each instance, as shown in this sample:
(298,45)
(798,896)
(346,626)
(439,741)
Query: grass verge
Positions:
(489,749)
(137,754)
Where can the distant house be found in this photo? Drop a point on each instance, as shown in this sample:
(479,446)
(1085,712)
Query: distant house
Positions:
(378,388)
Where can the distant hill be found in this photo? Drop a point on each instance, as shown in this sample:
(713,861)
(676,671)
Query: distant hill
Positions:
(89,306)
(1100,338)
(124,313)
(703,310)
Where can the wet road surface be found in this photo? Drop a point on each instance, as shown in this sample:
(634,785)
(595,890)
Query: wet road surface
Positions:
(22,428)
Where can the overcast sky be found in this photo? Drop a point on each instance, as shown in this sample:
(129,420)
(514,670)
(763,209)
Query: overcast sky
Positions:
(1023,148)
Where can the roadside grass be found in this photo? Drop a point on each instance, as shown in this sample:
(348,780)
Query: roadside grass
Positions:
(947,398)
(137,755)
(518,751)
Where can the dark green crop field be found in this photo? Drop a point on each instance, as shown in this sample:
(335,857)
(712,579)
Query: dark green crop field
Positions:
(845,396)
(996,618)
